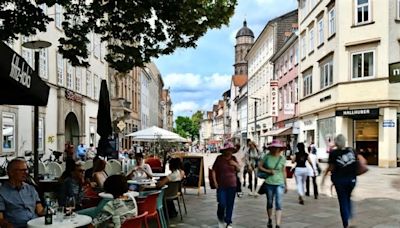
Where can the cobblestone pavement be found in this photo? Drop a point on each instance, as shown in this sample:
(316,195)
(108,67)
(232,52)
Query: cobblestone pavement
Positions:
(376,204)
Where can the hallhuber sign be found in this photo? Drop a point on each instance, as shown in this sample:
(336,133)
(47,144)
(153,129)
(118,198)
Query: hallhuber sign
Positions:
(359,113)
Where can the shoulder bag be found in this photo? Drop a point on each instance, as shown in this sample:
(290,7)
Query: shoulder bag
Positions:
(264,175)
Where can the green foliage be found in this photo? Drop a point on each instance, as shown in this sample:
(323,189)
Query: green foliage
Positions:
(135,31)
(189,127)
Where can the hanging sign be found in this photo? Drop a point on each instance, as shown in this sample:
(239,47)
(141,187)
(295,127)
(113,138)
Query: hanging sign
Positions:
(274,98)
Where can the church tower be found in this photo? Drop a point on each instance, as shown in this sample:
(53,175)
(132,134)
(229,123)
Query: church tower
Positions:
(244,40)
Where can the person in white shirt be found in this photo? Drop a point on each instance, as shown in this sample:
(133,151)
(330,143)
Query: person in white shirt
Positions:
(311,167)
(142,170)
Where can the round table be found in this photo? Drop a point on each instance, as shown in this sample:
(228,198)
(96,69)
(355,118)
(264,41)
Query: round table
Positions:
(159,174)
(142,182)
(109,196)
(77,221)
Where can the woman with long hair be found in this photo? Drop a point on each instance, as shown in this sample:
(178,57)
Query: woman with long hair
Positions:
(301,172)
(99,173)
(252,157)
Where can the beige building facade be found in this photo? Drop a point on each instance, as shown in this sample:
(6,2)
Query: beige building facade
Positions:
(345,50)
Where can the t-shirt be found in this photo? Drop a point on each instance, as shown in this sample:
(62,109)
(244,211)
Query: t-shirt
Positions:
(344,163)
(224,172)
(301,159)
(175,176)
(270,162)
(139,174)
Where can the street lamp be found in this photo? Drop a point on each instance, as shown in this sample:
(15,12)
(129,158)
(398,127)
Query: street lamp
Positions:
(255,117)
(36,45)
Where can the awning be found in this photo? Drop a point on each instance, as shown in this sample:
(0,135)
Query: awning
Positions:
(279,132)
(19,84)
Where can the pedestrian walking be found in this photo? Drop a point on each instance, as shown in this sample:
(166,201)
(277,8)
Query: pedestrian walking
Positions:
(241,159)
(300,158)
(311,174)
(252,157)
(246,167)
(81,152)
(343,167)
(275,184)
(225,169)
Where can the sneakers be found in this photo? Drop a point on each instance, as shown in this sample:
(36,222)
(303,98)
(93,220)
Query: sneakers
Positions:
(221,224)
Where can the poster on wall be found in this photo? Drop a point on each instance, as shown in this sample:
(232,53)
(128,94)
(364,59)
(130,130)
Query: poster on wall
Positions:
(288,109)
(274,98)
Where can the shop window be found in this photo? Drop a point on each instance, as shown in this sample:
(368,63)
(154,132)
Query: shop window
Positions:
(326,132)
(8,122)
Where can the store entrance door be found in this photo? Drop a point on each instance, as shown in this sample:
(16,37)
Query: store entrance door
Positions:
(366,138)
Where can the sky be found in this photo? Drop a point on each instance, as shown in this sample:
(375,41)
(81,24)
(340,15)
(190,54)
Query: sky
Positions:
(197,77)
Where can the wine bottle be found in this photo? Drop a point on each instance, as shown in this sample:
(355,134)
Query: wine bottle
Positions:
(48,216)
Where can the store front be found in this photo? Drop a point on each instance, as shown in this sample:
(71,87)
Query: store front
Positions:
(365,132)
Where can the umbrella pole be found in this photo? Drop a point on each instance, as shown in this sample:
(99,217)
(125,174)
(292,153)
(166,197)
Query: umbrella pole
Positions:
(36,128)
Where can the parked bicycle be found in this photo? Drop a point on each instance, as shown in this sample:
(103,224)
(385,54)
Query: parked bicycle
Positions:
(54,157)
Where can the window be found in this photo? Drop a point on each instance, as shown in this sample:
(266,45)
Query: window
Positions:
(332,22)
(296,59)
(291,58)
(290,93)
(363,64)
(327,74)
(362,14)
(303,46)
(27,54)
(58,16)
(78,76)
(89,83)
(321,31)
(8,122)
(70,69)
(311,39)
(60,69)
(41,135)
(43,7)
(95,86)
(43,64)
(307,84)
(280,99)
(296,90)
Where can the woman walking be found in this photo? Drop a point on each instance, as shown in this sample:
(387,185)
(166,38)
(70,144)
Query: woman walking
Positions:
(343,166)
(224,173)
(301,172)
(312,175)
(252,157)
(275,184)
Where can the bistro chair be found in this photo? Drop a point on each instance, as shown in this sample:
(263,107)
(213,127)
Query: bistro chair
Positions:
(149,204)
(54,169)
(172,193)
(42,168)
(136,222)
(181,195)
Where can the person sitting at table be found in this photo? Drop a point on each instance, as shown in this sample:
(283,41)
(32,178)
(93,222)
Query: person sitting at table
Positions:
(142,170)
(72,186)
(177,174)
(19,201)
(99,174)
(89,172)
(120,208)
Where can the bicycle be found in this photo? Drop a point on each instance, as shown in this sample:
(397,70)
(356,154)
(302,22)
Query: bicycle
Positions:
(3,167)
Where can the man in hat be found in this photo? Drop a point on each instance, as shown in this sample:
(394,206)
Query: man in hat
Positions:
(224,173)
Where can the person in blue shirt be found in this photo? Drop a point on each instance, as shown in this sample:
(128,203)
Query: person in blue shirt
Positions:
(19,201)
(81,152)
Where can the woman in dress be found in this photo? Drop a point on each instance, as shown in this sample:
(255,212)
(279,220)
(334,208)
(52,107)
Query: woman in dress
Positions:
(225,169)
(274,164)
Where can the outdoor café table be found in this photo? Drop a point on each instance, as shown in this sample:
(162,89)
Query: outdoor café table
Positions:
(77,221)
(143,182)
(109,196)
(159,174)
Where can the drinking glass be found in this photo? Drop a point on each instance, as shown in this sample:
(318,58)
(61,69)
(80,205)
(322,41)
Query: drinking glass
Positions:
(70,206)
(60,214)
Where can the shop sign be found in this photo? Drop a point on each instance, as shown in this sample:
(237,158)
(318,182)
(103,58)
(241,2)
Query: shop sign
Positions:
(69,95)
(308,122)
(359,113)
(288,109)
(274,98)
(388,123)
(394,72)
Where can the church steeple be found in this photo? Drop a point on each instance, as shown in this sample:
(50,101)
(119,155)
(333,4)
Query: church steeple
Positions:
(244,40)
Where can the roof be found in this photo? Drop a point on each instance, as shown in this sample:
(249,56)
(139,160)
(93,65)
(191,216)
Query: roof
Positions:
(244,31)
(239,80)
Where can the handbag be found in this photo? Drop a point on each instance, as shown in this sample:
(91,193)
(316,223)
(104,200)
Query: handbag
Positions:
(319,170)
(264,175)
(289,172)
(361,165)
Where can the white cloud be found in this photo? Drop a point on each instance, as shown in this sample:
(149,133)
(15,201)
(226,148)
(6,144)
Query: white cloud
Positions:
(195,82)
(182,80)
(185,106)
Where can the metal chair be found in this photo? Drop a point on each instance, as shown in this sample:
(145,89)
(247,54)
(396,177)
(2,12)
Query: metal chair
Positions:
(136,222)
(172,193)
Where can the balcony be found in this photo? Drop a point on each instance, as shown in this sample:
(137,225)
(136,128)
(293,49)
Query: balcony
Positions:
(121,108)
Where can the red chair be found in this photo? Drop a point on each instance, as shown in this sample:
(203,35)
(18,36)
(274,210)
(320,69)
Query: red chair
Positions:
(149,204)
(136,222)
(155,164)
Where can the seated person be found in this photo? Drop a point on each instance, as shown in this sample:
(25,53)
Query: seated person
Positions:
(89,172)
(99,174)
(72,186)
(19,202)
(141,170)
(119,209)
(177,174)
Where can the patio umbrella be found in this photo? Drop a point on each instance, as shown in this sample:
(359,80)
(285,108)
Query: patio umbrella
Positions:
(104,128)
(19,84)
(155,133)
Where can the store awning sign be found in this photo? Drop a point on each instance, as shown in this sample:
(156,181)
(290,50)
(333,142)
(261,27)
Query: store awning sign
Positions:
(394,72)
(359,113)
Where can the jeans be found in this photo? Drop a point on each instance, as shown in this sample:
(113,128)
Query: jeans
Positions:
(344,187)
(274,191)
(301,174)
(226,200)
(314,182)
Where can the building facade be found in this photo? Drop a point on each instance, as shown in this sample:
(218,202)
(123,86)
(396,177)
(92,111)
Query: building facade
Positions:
(345,50)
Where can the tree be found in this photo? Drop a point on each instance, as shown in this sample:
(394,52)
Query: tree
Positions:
(196,122)
(135,31)
(183,126)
